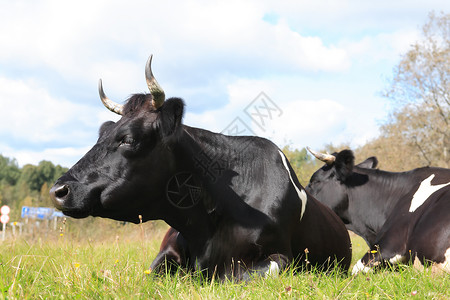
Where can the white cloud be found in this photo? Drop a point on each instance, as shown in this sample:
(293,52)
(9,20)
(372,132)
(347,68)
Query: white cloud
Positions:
(65,156)
(350,17)
(305,122)
(240,94)
(69,38)
(307,119)
(34,124)
(35,116)
(372,49)
(301,122)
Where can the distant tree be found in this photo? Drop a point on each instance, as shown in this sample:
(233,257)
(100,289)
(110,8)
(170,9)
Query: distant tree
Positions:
(302,163)
(9,170)
(44,196)
(20,191)
(420,90)
(36,176)
(59,171)
(28,201)
(46,171)
(394,153)
(30,177)
(26,186)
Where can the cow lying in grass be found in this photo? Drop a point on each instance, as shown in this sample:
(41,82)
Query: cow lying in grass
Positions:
(404,217)
(252,217)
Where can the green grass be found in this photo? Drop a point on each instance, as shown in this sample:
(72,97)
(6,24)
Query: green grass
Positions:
(114,267)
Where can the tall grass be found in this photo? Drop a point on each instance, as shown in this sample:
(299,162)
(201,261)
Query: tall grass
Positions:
(116,267)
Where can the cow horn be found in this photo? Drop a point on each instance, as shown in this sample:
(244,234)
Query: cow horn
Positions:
(327,158)
(155,89)
(109,104)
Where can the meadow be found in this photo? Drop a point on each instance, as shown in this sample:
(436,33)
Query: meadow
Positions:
(110,260)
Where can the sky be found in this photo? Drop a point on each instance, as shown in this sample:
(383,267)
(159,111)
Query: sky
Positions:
(301,73)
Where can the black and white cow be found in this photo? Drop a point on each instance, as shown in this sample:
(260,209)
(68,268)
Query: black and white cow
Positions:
(404,217)
(234,203)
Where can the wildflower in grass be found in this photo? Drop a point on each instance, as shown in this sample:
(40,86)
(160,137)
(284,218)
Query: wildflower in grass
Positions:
(288,290)
(306,254)
(76,265)
(147,272)
(373,251)
(115,263)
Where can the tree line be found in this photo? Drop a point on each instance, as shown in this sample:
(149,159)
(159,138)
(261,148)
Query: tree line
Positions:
(26,186)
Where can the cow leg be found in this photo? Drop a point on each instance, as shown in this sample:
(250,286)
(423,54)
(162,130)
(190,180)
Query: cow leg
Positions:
(390,250)
(172,253)
(368,262)
(380,257)
(272,265)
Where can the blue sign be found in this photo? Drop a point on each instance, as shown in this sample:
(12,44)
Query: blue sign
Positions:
(58,214)
(42,213)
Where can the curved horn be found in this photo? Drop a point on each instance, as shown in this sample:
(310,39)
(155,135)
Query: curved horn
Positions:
(155,89)
(326,158)
(109,104)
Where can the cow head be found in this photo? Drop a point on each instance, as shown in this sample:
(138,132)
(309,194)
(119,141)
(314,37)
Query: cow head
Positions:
(126,171)
(330,183)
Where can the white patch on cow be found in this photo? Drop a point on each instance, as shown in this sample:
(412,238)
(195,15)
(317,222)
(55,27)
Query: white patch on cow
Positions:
(446,264)
(274,269)
(360,267)
(397,259)
(424,192)
(301,193)
(436,268)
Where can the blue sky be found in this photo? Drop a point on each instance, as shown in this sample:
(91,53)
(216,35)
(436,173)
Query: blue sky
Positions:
(322,63)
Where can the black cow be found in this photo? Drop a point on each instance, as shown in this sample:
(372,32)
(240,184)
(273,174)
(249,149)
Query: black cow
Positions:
(404,217)
(234,201)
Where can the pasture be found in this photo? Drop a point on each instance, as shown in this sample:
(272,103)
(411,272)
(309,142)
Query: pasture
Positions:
(93,259)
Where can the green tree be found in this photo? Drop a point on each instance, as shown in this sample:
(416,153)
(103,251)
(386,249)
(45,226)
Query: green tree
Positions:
(44,196)
(30,177)
(44,172)
(9,171)
(302,163)
(59,171)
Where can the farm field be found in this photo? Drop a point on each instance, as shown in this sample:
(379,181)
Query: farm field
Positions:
(111,261)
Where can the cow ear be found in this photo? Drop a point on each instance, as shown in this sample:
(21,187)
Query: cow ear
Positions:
(171,115)
(105,127)
(370,163)
(345,160)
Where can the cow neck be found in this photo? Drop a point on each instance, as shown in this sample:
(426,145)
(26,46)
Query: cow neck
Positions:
(190,152)
(213,158)
(384,190)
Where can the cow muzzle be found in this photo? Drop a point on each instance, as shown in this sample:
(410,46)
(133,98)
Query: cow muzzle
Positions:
(72,198)
(59,194)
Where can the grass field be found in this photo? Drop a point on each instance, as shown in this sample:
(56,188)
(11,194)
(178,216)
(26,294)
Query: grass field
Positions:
(112,263)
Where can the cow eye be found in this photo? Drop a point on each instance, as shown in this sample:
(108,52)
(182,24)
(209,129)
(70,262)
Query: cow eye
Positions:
(127,141)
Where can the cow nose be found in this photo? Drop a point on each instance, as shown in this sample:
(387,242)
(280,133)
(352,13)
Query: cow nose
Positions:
(59,194)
